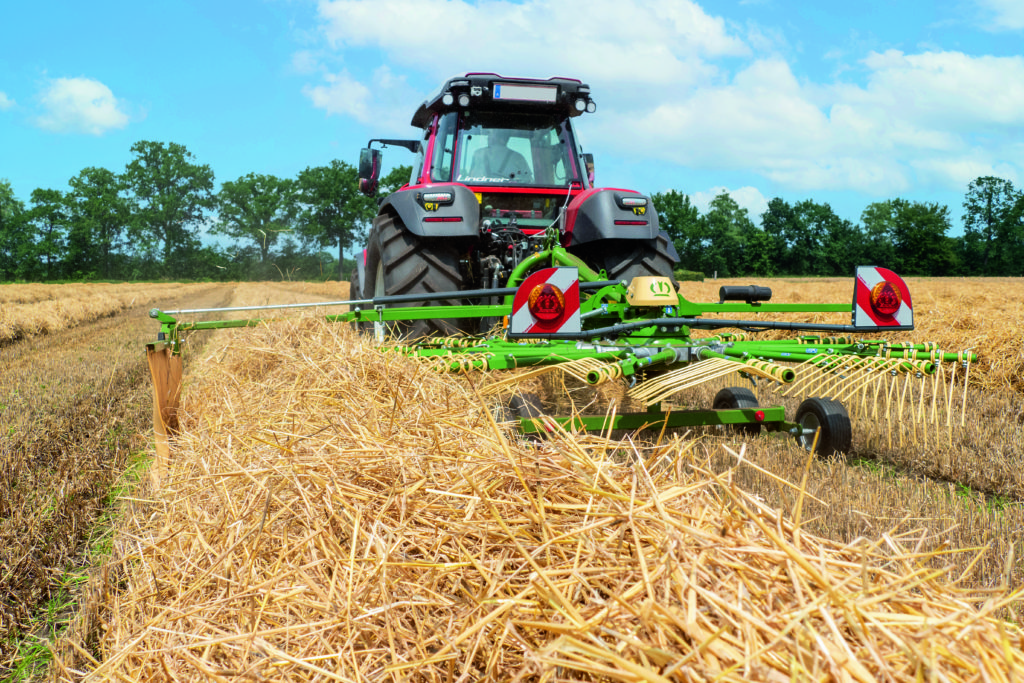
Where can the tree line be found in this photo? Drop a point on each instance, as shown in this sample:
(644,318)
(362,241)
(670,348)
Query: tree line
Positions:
(808,238)
(146,222)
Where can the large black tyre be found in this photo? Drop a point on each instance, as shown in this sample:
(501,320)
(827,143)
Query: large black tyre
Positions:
(355,291)
(833,420)
(398,262)
(731,398)
(627,259)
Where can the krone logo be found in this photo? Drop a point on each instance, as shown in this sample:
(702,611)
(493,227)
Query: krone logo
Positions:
(660,288)
(885,298)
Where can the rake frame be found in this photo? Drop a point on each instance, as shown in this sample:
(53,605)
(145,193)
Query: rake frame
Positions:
(617,340)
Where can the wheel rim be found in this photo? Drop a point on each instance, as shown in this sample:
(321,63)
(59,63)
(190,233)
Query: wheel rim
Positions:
(809,425)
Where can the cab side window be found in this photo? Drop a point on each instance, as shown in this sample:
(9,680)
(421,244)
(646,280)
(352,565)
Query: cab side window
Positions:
(444,147)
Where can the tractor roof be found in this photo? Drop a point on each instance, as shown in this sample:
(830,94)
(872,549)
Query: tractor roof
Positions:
(491,92)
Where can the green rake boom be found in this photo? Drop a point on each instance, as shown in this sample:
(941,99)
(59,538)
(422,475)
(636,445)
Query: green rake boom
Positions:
(556,314)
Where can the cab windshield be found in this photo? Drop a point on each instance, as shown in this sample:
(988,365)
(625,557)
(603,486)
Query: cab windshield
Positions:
(497,149)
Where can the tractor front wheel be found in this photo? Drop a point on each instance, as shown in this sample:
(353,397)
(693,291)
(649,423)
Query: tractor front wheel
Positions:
(828,416)
(399,262)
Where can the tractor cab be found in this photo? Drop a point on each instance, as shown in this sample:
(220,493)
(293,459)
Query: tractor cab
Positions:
(511,141)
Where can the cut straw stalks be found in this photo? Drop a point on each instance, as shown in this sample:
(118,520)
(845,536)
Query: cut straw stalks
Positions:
(334,513)
(44,309)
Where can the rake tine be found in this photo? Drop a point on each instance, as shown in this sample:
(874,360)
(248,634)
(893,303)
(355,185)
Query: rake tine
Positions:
(967,374)
(816,370)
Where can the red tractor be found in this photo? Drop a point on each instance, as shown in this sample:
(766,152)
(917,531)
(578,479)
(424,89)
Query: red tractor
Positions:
(497,165)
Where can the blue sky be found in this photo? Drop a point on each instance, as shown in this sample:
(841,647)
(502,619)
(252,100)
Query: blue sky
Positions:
(846,103)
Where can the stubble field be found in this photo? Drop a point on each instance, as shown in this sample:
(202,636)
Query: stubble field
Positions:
(74,412)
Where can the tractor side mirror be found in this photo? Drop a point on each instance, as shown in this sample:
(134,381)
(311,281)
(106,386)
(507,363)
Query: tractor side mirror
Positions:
(369,171)
(588,160)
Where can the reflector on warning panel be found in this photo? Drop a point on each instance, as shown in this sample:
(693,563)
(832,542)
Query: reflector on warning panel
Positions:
(881,299)
(547,302)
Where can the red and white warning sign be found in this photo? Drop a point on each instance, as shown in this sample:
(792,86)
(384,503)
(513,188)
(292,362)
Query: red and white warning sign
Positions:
(881,299)
(547,302)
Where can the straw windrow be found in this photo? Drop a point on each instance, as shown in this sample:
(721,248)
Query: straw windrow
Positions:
(335,513)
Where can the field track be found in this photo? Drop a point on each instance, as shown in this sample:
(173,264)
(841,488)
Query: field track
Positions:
(75,409)
(74,406)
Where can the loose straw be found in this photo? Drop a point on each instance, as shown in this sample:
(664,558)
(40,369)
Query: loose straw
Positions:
(337,513)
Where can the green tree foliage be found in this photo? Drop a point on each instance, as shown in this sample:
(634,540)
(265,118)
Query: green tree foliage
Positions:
(993,227)
(909,237)
(164,197)
(332,211)
(298,264)
(878,226)
(99,212)
(808,238)
(258,208)
(681,220)
(841,244)
(395,179)
(171,195)
(775,222)
(13,237)
(47,221)
(726,227)
(806,235)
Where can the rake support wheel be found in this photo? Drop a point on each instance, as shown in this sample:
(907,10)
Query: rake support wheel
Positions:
(831,418)
(731,398)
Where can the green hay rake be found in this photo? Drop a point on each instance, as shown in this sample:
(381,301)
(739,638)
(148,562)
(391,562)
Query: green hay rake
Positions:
(556,314)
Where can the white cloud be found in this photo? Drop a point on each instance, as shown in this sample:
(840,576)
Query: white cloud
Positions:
(304,62)
(643,41)
(749,198)
(5,101)
(383,103)
(680,86)
(341,95)
(946,87)
(961,170)
(918,118)
(1007,15)
(80,105)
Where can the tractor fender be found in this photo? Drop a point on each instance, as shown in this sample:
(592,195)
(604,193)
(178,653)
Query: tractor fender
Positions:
(602,214)
(459,217)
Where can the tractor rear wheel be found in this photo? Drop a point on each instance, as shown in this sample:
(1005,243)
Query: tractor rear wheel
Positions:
(832,419)
(731,398)
(355,291)
(627,259)
(399,262)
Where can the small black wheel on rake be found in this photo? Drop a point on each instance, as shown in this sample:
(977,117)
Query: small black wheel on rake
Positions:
(831,417)
(731,398)
(520,406)
(526,405)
